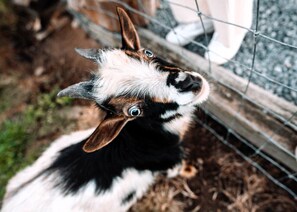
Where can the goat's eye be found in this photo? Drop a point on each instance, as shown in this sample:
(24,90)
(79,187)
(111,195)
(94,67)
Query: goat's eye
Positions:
(134,111)
(148,53)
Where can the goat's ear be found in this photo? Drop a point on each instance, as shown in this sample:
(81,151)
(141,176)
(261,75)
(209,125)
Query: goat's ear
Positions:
(82,90)
(105,133)
(91,54)
(130,39)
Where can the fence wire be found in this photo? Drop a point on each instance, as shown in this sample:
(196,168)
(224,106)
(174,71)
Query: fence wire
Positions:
(252,71)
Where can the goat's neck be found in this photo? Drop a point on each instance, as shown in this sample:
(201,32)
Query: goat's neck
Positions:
(170,133)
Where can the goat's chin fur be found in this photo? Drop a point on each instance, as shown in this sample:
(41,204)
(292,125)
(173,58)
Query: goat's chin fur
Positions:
(41,194)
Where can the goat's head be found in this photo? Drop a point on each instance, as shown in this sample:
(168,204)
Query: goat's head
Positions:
(134,83)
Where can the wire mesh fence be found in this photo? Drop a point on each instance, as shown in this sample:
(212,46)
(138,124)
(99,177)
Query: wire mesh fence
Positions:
(163,22)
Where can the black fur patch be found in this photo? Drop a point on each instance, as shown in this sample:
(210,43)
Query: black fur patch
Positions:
(190,83)
(171,79)
(89,88)
(163,65)
(153,110)
(142,145)
(128,198)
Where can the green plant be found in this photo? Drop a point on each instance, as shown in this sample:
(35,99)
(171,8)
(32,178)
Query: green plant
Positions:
(2,6)
(21,131)
(13,140)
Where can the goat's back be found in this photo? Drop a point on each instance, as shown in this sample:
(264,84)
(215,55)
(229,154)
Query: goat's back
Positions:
(32,190)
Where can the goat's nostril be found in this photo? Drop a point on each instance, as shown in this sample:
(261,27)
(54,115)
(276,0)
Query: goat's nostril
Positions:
(190,83)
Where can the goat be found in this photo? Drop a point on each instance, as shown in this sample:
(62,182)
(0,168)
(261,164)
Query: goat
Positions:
(149,105)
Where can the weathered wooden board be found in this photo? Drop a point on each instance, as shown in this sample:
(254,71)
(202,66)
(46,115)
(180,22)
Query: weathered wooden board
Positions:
(103,12)
(226,103)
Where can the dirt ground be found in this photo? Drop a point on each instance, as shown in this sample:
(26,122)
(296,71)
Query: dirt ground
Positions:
(224,181)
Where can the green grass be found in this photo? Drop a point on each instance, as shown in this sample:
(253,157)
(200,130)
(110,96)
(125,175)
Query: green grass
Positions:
(22,130)
(13,139)
(4,6)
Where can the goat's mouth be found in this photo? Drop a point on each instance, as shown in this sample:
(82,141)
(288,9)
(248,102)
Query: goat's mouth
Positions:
(199,96)
(203,94)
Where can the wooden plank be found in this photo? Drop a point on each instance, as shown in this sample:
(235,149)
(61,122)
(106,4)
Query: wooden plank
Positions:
(103,12)
(252,122)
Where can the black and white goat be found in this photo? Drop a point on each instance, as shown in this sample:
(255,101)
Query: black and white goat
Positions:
(149,105)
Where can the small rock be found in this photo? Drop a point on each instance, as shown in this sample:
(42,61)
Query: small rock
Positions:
(278,69)
(288,63)
(294,95)
(39,71)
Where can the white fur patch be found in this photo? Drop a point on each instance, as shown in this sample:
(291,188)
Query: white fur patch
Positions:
(121,74)
(181,98)
(181,77)
(179,126)
(168,114)
(41,195)
(174,171)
